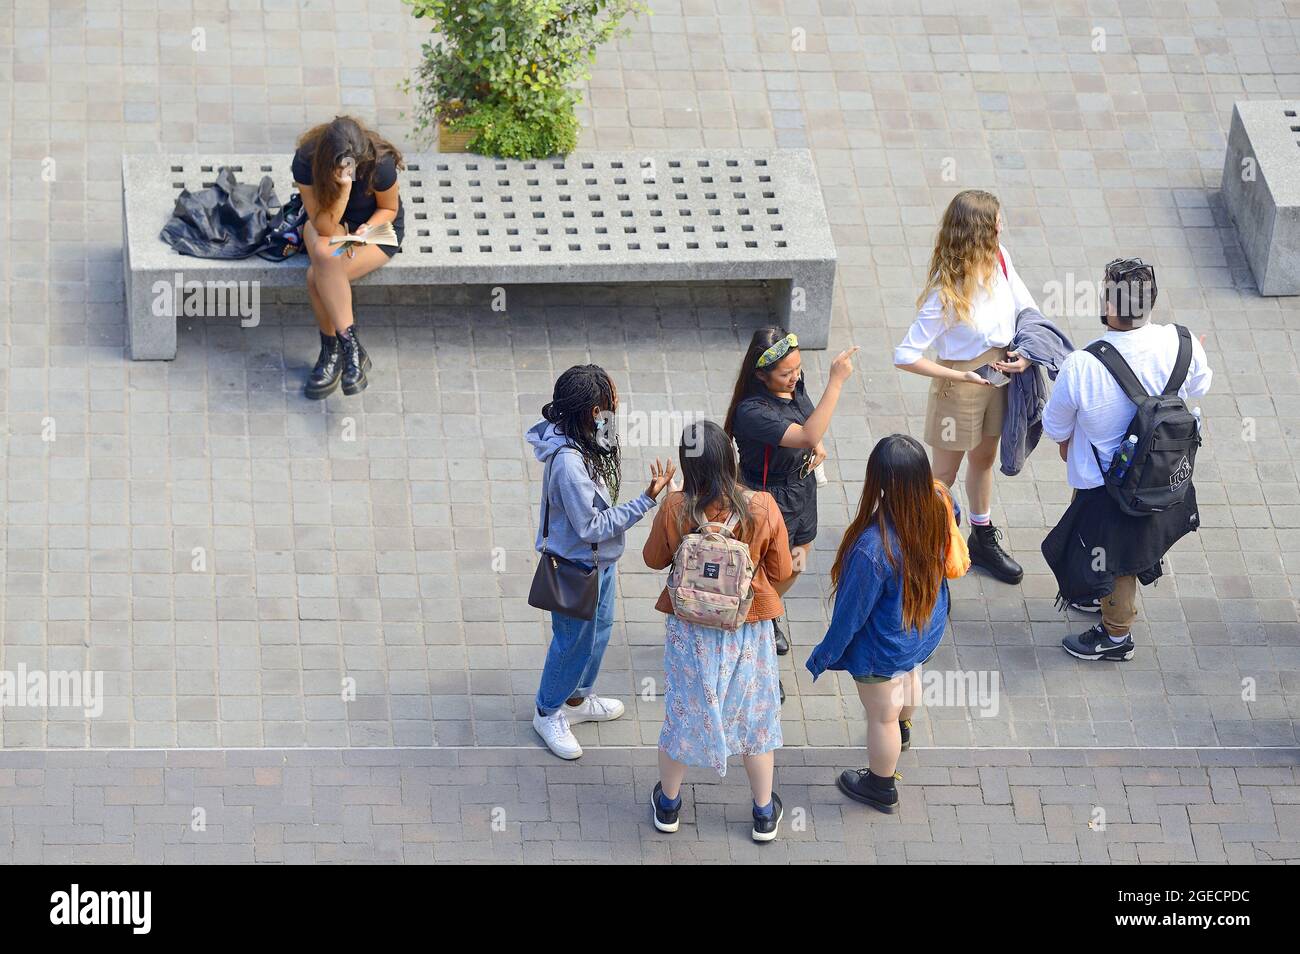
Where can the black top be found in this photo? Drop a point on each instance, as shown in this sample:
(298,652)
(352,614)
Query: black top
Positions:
(361,202)
(761,421)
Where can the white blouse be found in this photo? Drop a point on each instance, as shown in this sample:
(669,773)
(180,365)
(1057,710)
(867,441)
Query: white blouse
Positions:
(992,325)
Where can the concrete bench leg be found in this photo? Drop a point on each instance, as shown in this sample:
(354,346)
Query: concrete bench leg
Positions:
(803,303)
(149,335)
(152,337)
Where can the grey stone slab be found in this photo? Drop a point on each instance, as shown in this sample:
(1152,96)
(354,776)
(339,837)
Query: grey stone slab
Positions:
(1261,188)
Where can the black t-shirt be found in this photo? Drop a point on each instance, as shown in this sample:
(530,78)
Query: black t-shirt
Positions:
(361,202)
(761,421)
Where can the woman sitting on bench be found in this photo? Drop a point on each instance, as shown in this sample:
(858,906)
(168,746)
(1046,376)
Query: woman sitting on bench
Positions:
(347,175)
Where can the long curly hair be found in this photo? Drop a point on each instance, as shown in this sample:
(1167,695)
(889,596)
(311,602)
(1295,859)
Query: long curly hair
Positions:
(965,253)
(341,138)
(577,391)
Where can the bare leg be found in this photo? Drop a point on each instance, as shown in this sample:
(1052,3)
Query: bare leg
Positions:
(317,306)
(671,775)
(911,694)
(799,556)
(333,276)
(883,702)
(979,474)
(760,769)
(945,464)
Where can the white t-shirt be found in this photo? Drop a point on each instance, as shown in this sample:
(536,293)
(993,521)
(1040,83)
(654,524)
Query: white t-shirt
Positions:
(1089,407)
(992,324)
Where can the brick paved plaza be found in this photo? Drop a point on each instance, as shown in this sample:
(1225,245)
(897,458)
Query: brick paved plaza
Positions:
(388,537)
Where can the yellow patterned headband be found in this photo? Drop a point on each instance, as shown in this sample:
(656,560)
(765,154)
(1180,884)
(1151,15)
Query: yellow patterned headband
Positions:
(778,351)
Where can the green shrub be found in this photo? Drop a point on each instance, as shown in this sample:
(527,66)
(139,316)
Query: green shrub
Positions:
(505,67)
(501,132)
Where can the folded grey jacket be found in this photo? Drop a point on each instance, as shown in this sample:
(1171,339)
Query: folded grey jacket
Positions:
(1046,346)
(581,512)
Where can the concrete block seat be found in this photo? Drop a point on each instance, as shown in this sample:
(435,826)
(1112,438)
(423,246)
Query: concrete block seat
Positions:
(1261,189)
(712,215)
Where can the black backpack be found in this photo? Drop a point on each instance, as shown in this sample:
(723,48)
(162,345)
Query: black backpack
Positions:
(284,236)
(1160,467)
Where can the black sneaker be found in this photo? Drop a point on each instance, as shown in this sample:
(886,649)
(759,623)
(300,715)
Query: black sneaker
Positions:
(861,786)
(1085,606)
(664,820)
(782,636)
(986,551)
(765,826)
(1097,644)
(905,730)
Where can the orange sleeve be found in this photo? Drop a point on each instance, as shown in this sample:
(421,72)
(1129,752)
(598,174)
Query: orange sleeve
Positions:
(776,559)
(660,548)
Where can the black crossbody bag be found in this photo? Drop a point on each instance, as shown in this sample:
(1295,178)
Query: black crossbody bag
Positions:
(560,585)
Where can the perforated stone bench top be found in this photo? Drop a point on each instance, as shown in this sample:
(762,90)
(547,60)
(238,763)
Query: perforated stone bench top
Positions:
(587,216)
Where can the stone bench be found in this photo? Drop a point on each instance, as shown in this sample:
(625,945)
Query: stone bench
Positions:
(1261,188)
(713,215)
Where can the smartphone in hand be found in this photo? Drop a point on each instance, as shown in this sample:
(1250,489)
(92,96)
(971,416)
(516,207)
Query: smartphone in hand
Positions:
(992,375)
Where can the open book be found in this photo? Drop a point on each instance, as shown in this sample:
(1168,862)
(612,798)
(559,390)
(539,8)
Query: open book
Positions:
(381,234)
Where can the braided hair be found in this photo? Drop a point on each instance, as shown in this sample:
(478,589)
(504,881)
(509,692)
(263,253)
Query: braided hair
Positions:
(577,391)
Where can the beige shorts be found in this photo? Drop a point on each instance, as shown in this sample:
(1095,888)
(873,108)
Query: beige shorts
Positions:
(958,415)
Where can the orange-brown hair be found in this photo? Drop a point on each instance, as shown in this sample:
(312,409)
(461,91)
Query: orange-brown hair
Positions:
(965,253)
(331,142)
(899,497)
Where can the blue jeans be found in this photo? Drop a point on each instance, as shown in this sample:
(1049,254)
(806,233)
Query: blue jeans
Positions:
(577,647)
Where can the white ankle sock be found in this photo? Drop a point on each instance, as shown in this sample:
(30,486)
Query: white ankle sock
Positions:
(979,519)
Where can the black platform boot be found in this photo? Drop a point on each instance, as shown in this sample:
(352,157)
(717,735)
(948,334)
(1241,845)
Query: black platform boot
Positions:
(355,362)
(985,551)
(324,378)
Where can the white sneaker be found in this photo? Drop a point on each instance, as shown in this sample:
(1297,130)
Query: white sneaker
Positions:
(593,709)
(555,732)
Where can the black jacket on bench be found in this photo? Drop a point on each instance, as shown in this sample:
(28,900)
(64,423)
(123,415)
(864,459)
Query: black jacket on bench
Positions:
(229,219)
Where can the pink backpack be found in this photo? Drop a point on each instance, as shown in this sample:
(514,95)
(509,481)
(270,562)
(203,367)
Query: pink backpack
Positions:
(711,582)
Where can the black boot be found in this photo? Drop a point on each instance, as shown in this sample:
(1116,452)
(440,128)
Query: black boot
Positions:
(985,551)
(861,786)
(324,378)
(355,362)
(782,636)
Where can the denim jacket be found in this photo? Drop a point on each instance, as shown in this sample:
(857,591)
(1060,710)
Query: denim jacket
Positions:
(866,636)
(581,511)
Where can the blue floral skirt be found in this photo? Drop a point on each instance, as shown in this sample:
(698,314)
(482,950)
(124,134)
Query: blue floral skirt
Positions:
(722,693)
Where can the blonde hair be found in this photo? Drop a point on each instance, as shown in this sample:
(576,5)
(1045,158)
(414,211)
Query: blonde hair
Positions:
(965,253)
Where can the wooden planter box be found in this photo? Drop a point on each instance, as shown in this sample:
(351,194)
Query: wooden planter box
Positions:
(449,141)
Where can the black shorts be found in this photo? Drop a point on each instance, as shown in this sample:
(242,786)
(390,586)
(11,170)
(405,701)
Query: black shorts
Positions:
(399,226)
(798,502)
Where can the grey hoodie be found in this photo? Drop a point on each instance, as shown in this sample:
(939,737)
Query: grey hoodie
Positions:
(581,511)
